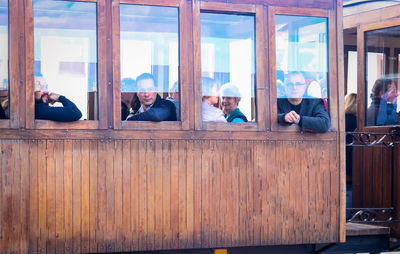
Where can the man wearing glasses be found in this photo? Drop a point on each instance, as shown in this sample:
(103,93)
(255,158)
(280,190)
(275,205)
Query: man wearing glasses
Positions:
(152,106)
(308,113)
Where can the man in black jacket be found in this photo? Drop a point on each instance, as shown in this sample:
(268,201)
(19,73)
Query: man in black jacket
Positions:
(152,106)
(309,114)
(67,113)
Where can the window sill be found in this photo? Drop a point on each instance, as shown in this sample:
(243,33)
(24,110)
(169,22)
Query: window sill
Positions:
(77,125)
(156,126)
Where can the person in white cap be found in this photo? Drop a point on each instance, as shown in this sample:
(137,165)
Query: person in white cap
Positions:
(231,97)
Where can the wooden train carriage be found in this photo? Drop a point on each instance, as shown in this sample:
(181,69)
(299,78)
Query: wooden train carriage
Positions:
(106,185)
(371,51)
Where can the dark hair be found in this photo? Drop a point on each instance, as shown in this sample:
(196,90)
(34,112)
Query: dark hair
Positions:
(145,76)
(381,85)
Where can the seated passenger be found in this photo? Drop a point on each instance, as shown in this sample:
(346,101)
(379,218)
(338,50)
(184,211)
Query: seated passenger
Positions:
(152,107)
(309,114)
(128,97)
(383,108)
(174,97)
(67,113)
(2,112)
(210,98)
(231,97)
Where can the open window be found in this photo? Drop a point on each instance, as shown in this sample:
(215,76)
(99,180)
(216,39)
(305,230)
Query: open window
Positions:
(149,47)
(301,72)
(65,62)
(227,87)
(381,76)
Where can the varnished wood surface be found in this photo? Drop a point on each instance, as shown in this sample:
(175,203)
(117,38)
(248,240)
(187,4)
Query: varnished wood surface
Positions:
(127,195)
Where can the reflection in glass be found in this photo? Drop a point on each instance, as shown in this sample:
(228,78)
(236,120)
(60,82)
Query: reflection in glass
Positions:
(302,72)
(301,46)
(5,109)
(381,76)
(65,34)
(228,63)
(149,44)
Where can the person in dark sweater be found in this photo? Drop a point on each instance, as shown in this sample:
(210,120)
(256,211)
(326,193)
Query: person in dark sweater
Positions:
(152,106)
(43,111)
(383,108)
(308,114)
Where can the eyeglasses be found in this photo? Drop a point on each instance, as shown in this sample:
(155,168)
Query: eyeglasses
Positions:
(290,84)
(146,90)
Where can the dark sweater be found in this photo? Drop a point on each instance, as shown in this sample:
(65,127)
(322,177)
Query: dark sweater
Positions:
(67,113)
(161,110)
(313,116)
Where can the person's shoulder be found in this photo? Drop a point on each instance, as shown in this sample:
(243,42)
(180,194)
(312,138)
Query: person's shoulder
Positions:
(163,102)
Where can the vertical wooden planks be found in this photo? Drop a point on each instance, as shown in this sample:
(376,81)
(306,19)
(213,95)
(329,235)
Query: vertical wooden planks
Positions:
(118,183)
(175,194)
(43,232)
(258,167)
(272,189)
(101,197)
(51,196)
(85,195)
(93,210)
(166,187)
(59,192)
(205,194)
(158,160)
(76,195)
(126,195)
(190,193)
(182,211)
(150,213)
(33,197)
(197,167)
(235,193)
(68,195)
(135,194)
(142,196)
(110,233)
(24,206)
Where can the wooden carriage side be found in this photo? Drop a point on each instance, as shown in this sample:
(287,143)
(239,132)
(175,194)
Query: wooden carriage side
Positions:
(109,186)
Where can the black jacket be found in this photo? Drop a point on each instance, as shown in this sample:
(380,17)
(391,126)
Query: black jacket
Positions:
(162,110)
(313,115)
(68,113)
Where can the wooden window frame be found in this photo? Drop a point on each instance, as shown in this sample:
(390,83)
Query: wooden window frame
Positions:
(332,63)
(260,91)
(102,74)
(185,76)
(14,68)
(361,30)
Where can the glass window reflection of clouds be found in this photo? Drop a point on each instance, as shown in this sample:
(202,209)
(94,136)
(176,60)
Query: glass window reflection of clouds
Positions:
(228,57)
(302,46)
(149,44)
(65,41)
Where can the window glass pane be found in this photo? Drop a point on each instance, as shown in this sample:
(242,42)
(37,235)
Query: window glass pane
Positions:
(65,35)
(381,76)
(302,70)
(352,72)
(5,109)
(149,44)
(228,67)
